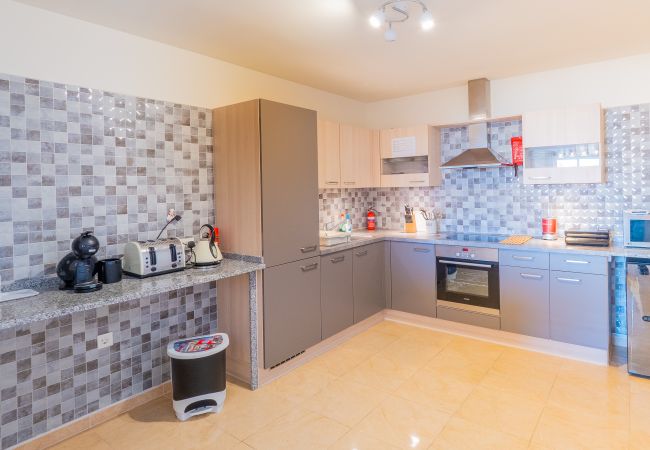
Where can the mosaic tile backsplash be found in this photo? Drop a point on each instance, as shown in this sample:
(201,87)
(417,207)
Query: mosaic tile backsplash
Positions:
(495,201)
(74,159)
(51,372)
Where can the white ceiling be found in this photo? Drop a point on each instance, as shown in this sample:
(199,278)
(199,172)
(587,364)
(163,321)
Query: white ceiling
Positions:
(328,44)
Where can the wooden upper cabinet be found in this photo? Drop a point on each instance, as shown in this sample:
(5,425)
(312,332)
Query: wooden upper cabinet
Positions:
(376,159)
(329,161)
(420,133)
(410,157)
(359,157)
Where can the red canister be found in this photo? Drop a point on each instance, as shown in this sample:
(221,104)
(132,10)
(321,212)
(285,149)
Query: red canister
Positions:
(549,228)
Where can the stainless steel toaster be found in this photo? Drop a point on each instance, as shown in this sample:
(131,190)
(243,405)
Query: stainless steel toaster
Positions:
(149,258)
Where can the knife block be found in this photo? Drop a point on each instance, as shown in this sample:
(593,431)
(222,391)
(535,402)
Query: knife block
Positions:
(409,224)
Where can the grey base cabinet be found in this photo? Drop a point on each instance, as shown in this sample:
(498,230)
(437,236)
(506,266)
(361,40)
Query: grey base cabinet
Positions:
(525,301)
(368,280)
(336,298)
(580,308)
(292,314)
(413,278)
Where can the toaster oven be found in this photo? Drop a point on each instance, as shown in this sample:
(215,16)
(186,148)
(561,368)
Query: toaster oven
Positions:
(636,228)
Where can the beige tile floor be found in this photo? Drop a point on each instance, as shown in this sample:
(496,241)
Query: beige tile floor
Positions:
(396,386)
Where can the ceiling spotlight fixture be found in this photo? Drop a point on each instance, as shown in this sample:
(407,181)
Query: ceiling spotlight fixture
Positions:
(426,20)
(377,19)
(390,35)
(396,11)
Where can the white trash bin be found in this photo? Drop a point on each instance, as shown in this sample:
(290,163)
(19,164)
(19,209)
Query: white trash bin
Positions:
(198,371)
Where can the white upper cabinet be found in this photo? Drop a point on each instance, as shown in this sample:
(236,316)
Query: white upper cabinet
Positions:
(564,145)
(329,160)
(410,157)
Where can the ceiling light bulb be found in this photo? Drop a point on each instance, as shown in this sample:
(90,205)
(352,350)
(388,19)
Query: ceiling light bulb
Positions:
(390,35)
(426,20)
(377,18)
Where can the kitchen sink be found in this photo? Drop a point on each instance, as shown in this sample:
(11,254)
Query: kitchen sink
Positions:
(356,237)
(329,238)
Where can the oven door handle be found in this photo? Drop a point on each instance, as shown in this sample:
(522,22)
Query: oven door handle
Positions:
(465,264)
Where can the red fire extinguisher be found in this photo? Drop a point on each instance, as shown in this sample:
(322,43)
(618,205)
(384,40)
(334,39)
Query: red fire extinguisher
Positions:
(371,219)
(517,146)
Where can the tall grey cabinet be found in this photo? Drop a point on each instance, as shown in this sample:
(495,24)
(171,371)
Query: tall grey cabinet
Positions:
(266,186)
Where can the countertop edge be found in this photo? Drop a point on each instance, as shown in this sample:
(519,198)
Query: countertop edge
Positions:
(153,286)
(536,245)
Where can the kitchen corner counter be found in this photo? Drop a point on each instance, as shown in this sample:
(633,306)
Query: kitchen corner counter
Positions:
(52,302)
(363,237)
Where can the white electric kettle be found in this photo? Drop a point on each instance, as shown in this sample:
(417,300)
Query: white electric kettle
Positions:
(206,251)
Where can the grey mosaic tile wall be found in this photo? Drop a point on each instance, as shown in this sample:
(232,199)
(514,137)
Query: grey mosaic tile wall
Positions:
(494,201)
(51,372)
(334,202)
(74,159)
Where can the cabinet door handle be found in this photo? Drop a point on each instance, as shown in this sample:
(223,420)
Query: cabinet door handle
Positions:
(575,261)
(422,250)
(349,182)
(331,182)
(309,267)
(569,280)
(531,276)
(464,264)
(308,249)
(541,178)
(523,258)
(416,181)
(338,259)
(363,253)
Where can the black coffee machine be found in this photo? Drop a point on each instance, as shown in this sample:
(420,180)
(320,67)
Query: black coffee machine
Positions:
(77,269)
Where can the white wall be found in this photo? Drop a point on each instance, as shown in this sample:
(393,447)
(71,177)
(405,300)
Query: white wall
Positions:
(48,46)
(615,82)
(43,45)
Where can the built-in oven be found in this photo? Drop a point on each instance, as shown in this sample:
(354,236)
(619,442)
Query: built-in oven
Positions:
(468,279)
(636,228)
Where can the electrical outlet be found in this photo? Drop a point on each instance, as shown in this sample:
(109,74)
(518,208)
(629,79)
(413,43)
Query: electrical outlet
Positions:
(171,213)
(104,340)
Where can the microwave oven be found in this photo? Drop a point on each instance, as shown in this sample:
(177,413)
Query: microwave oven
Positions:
(636,228)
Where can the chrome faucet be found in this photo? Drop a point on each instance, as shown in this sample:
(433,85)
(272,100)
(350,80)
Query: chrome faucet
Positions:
(336,225)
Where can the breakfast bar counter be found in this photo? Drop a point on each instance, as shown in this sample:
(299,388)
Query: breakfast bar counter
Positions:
(75,354)
(52,302)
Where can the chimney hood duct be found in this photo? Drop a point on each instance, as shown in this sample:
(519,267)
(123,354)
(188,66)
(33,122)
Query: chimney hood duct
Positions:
(479,153)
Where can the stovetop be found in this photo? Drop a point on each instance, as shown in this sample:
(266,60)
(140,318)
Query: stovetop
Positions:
(475,237)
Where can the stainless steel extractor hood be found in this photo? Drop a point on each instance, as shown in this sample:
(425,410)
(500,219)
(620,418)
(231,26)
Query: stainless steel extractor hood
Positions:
(479,153)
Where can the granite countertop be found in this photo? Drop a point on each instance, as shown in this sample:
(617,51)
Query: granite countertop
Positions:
(363,237)
(52,302)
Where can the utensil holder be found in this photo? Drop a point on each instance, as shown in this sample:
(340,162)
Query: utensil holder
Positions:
(431,226)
